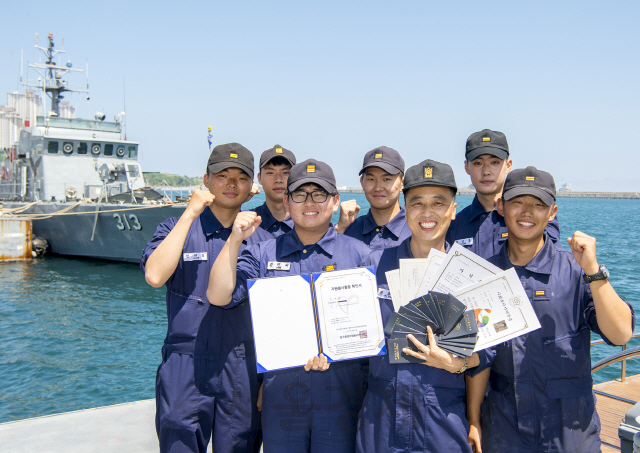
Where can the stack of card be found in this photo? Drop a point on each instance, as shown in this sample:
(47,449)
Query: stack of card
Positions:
(454,328)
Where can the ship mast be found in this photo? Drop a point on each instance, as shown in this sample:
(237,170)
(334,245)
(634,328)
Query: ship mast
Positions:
(51,75)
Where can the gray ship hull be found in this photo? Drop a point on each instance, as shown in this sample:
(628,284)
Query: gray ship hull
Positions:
(121,231)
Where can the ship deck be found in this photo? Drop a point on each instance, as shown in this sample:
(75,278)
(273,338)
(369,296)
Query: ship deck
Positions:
(612,411)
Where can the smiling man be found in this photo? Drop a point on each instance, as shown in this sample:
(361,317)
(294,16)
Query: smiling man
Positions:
(381,178)
(275,165)
(418,407)
(312,408)
(541,396)
(207,383)
(479,227)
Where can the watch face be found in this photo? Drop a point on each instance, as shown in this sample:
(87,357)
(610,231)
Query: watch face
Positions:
(605,271)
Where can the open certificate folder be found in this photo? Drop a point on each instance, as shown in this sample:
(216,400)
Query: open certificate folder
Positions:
(297,317)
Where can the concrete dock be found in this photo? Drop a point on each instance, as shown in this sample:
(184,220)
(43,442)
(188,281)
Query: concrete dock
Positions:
(128,427)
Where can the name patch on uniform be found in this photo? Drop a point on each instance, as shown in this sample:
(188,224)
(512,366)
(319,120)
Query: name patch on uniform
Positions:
(540,293)
(504,235)
(384,293)
(465,242)
(198,256)
(329,267)
(278,266)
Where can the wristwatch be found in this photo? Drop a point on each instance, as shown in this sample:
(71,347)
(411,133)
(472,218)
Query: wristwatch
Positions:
(464,367)
(602,274)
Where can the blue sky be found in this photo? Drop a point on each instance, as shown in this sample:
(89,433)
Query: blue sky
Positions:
(334,79)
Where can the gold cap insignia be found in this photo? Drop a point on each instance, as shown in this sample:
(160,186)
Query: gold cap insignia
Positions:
(428,172)
(486,139)
(540,293)
(530,178)
(505,235)
(378,156)
(278,150)
(311,168)
(235,156)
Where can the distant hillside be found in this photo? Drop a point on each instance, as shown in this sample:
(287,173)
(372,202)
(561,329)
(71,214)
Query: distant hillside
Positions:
(155,179)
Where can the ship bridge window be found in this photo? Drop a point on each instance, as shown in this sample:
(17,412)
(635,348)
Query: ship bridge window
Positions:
(82,148)
(108,149)
(132,152)
(52,147)
(95,149)
(133,171)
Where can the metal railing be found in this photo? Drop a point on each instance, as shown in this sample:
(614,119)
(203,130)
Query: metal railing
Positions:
(622,356)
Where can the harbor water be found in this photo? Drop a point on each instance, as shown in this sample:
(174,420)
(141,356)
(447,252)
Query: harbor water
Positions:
(76,334)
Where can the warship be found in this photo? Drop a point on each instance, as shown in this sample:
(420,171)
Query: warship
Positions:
(77,180)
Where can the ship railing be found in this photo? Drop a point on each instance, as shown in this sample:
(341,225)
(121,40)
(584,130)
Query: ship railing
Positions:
(621,356)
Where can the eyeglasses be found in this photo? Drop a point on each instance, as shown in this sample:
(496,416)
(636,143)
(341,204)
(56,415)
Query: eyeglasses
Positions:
(300,196)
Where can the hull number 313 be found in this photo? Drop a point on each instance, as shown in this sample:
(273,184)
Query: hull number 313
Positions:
(130,223)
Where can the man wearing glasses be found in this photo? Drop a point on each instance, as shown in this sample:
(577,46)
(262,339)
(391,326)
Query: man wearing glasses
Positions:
(315,407)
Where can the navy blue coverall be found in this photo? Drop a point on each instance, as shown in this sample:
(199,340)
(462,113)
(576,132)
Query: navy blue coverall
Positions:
(411,407)
(365,229)
(541,397)
(484,233)
(271,224)
(306,411)
(207,383)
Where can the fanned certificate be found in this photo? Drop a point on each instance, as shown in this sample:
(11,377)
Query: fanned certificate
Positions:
(416,273)
(460,268)
(297,317)
(395,288)
(501,307)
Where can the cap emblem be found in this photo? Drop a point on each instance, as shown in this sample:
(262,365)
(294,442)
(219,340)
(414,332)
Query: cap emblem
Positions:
(235,156)
(530,178)
(486,139)
(378,156)
(428,172)
(278,150)
(311,168)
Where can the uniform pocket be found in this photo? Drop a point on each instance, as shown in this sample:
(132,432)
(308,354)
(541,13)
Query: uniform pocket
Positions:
(185,315)
(568,362)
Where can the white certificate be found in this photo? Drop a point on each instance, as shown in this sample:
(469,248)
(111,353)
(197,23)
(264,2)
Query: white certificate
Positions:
(349,316)
(416,273)
(395,288)
(501,307)
(460,268)
(295,320)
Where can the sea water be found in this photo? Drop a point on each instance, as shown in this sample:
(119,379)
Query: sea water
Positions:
(80,333)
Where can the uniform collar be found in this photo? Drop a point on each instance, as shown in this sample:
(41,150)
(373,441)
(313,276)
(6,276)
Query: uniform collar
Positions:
(395,225)
(291,243)
(542,263)
(404,249)
(210,224)
(268,220)
(475,209)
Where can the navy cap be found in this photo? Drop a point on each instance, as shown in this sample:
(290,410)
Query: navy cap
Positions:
(429,173)
(384,157)
(487,142)
(230,155)
(311,171)
(277,151)
(530,181)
